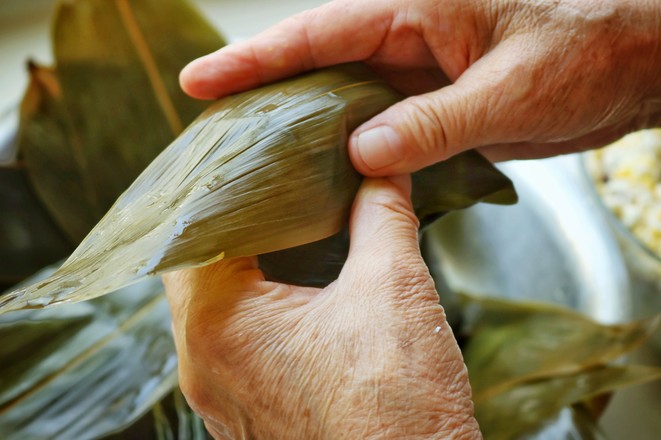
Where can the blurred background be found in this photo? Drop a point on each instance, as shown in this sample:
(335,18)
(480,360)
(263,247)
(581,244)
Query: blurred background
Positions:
(24,31)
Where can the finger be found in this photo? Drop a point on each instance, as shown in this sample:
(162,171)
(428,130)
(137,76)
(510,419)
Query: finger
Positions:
(527,150)
(383,224)
(315,38)
(531,150)
(384,259)
(428,128)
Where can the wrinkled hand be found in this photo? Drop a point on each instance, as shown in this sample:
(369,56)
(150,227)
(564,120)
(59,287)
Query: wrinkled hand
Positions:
(529,79)
(370,356)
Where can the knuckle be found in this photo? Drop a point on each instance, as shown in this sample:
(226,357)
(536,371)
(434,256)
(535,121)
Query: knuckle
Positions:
(427,123)
(301,24)
(396,212)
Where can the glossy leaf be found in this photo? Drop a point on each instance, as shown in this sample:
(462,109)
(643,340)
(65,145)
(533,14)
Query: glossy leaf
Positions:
(259,171)
(456,183)
(28,238)
(571,423)
(88,369)
(52,154)
(170,419)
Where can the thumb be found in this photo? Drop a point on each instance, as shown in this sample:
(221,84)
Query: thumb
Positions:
(384,255)
(383,226)
(424,129)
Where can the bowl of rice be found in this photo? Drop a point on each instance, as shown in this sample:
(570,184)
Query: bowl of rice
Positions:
(626,177)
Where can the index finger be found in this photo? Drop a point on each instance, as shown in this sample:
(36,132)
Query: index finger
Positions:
(316,38)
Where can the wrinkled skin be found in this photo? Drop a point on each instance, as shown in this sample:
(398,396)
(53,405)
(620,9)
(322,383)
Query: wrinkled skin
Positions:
(362,358)
(529,78)
(370,356)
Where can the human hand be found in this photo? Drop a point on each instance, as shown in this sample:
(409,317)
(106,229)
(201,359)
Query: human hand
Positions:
(529,79)
(370,356)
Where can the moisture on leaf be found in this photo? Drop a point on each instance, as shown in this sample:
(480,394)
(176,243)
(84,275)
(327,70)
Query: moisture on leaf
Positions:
(257,172)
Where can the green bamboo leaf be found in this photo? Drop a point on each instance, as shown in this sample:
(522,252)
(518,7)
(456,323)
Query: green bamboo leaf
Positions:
(257,172)
(28,238)
(571,423)
(456,183)
(516,410)
(170,419)
(85,370)
(52,152)
(545,340)
(115,102)
(528,361)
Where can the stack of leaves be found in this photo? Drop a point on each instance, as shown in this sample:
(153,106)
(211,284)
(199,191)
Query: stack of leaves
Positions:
(88,369)
(92,123)
(527,361)
(113,359)
(93,368)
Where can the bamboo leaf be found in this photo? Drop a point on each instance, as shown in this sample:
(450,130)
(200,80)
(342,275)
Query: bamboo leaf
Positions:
(456,183)
(113,103)
(545,340)
(53,153)
(527,361)
(257,172)
(518,409)
(170,418)
(315,264)
(88,369)
(575,423)
(28,238)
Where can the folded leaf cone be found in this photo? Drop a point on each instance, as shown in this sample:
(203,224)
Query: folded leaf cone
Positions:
(257,172)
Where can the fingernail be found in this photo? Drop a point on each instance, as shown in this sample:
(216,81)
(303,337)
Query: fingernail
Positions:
(380,147)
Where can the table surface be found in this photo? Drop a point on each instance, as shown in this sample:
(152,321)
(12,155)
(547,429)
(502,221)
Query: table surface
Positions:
(632,413)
